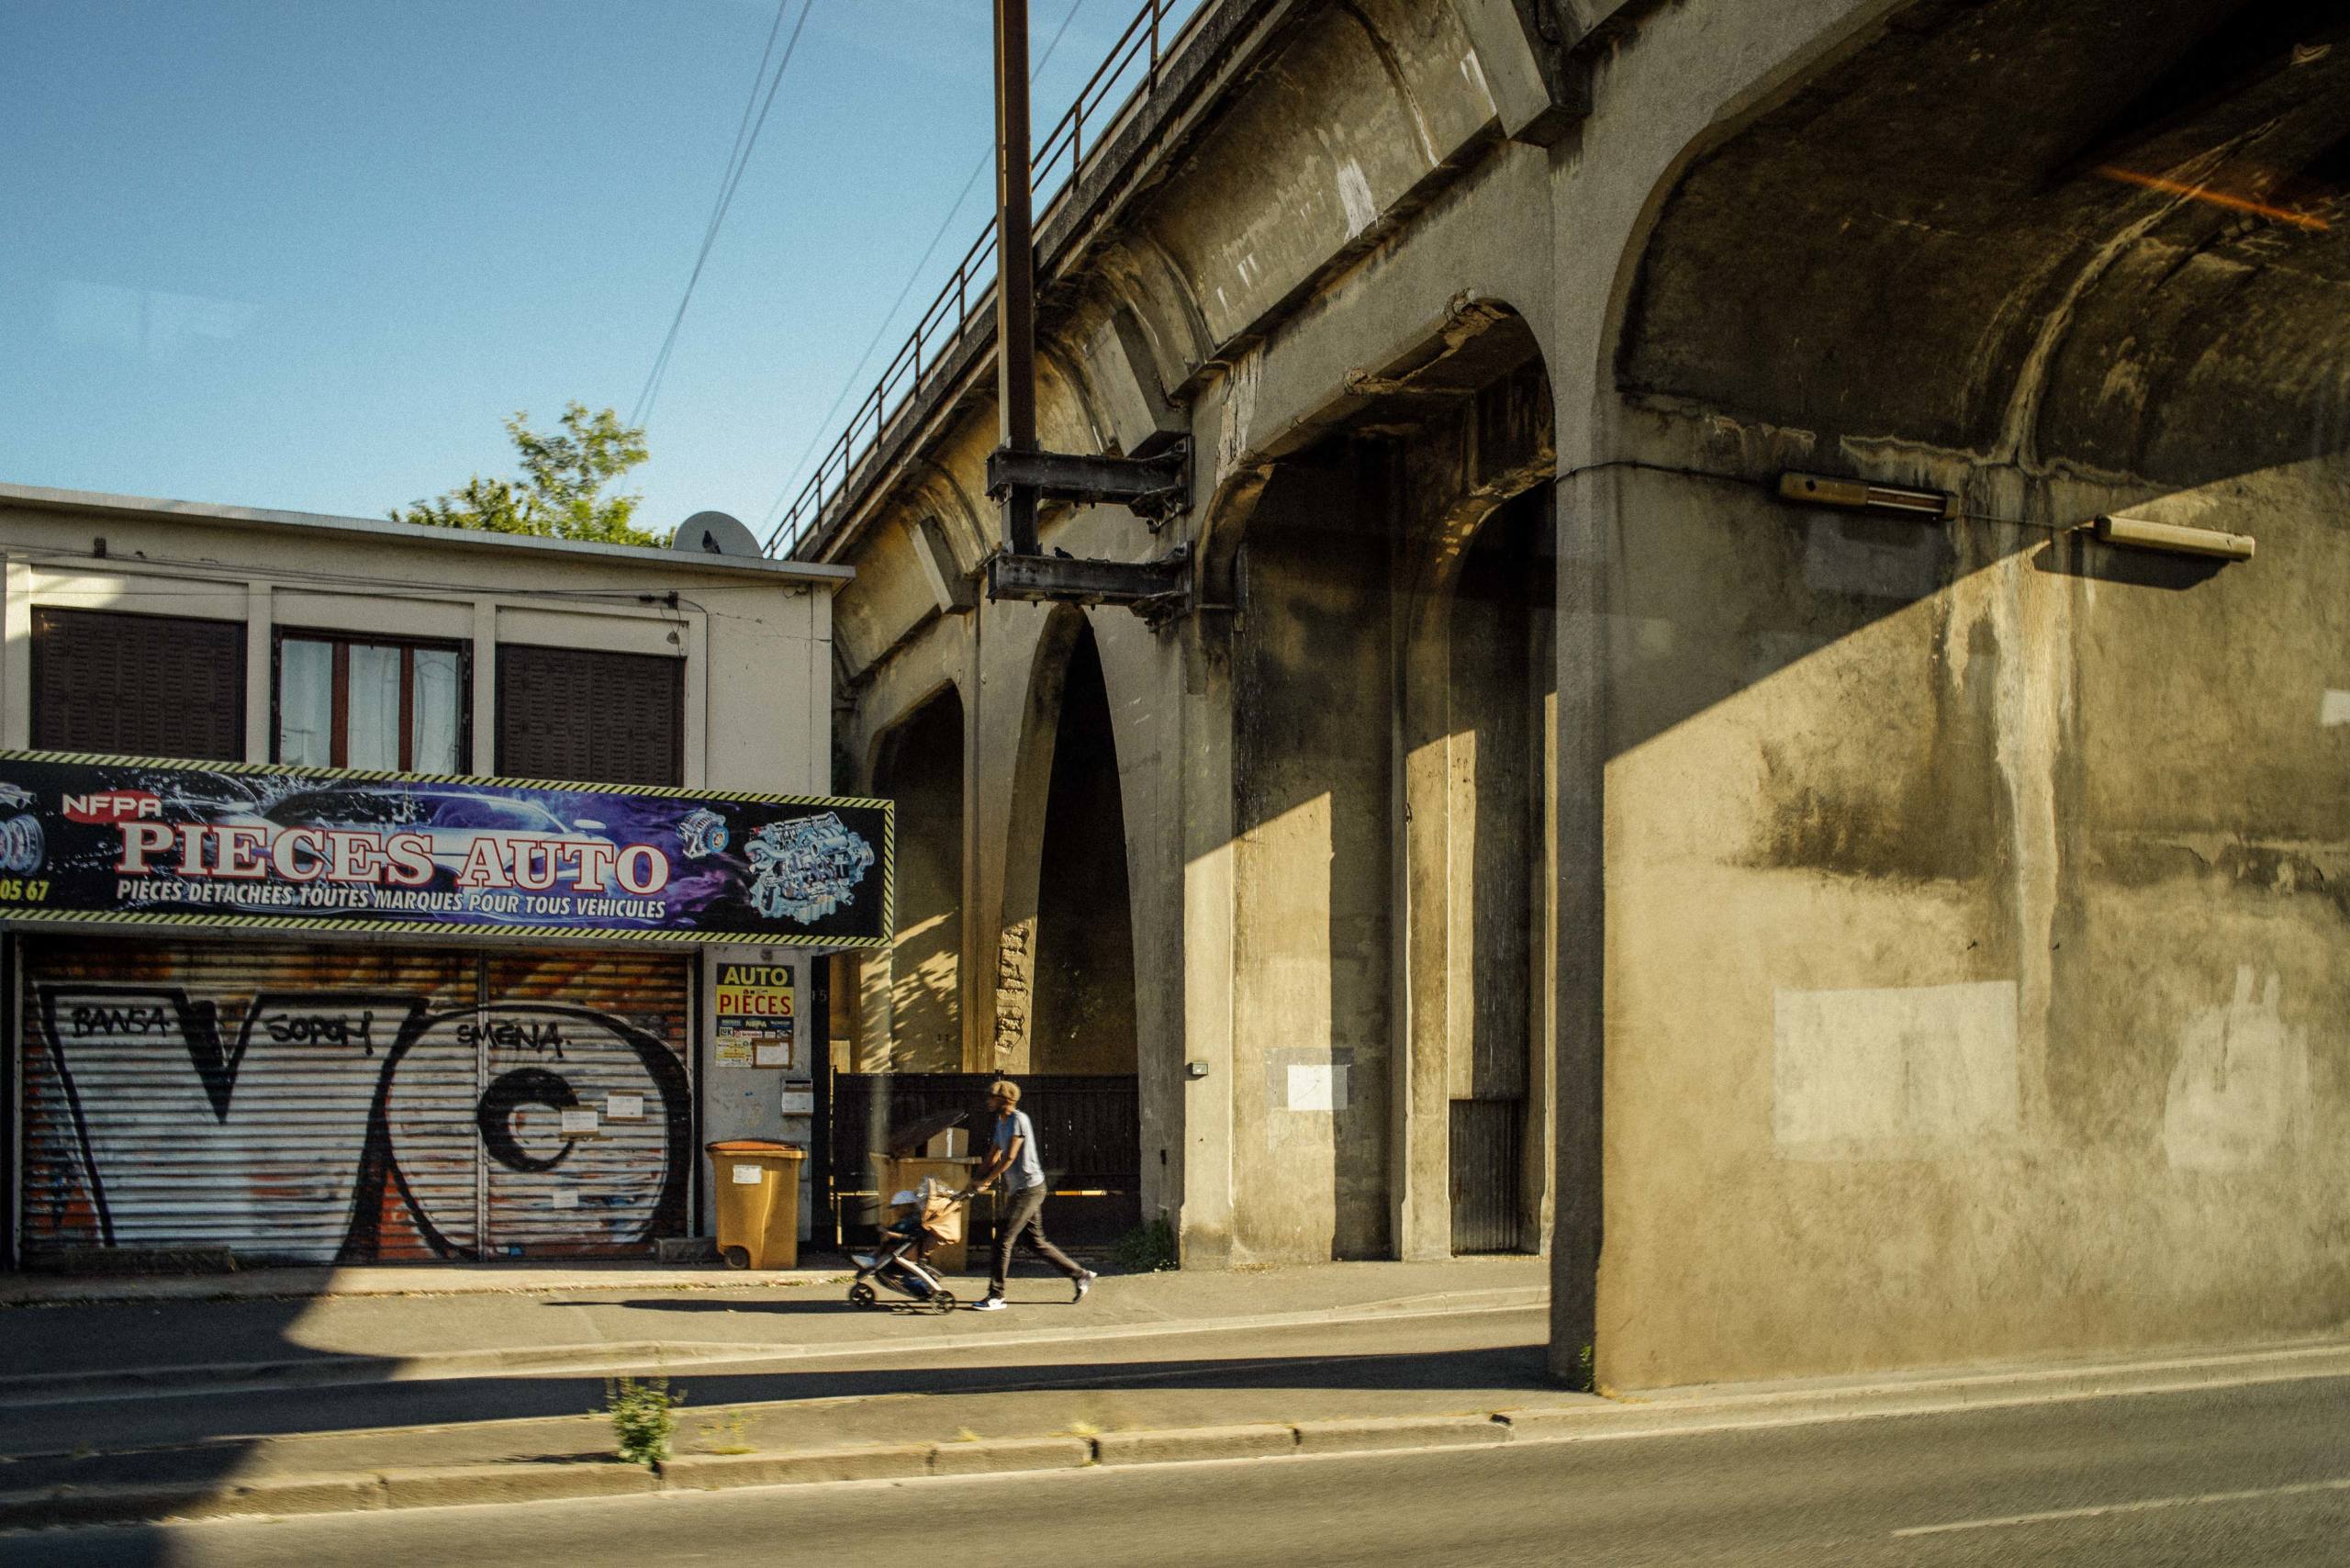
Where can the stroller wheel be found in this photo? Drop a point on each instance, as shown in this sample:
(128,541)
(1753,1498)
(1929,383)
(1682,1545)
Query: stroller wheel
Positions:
(943,1300)
(861,1296)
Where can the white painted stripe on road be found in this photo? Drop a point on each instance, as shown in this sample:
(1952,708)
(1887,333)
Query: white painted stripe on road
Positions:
(2143,1505)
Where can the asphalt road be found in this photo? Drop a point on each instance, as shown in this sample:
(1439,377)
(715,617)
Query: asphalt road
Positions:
(2250,1474)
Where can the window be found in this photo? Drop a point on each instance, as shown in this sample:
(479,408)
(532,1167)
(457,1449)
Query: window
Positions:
(371,703)
(592,717)
(138,685)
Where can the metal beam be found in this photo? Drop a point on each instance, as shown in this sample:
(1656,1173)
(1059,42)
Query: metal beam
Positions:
(1155,487)
(1153,589)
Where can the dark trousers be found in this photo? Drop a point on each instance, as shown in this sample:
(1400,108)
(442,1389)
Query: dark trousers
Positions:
(1024,1222)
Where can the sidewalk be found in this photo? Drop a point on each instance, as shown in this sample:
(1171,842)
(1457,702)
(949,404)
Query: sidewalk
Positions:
(377,1402)
(152,1403)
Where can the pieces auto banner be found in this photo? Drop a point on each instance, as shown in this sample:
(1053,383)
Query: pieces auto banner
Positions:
(117,839)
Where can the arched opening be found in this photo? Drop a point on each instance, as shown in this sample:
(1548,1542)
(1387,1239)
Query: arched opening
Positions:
(1391,1015)
(1065,1020)
(1499,684)
(911,1014)
(1083,1022)
(1930,842)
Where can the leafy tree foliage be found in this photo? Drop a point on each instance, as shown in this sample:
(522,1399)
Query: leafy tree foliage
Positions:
(560,493)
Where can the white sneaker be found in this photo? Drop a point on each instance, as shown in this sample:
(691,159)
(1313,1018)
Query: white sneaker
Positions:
(988,1303)
(1084,1281)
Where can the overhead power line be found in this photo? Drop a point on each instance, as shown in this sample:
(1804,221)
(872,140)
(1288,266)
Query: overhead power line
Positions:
(800,464)
(746,137)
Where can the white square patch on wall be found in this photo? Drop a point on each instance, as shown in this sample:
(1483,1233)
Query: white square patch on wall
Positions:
(1895,1071)
(1318,1086)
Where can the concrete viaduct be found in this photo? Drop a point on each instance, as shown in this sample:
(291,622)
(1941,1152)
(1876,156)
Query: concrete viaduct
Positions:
(1843,936)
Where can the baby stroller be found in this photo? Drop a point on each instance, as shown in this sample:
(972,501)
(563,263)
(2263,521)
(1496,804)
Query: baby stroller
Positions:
(897,1263)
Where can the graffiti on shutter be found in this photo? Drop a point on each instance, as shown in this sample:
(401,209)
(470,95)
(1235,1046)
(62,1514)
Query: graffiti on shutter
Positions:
(343,1104)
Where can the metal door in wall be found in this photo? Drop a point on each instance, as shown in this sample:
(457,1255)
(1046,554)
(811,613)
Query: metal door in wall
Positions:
(350,1103)
(1487,1175)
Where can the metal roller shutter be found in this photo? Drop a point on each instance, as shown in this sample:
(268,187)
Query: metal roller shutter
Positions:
(592,1031)
(589,714)
(353,1104)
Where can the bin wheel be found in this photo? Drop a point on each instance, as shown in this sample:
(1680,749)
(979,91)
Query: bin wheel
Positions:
(861,1296)
(737,1256)
(943,1300)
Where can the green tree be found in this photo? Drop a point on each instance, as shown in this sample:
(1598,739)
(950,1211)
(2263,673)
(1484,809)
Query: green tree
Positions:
(560,492)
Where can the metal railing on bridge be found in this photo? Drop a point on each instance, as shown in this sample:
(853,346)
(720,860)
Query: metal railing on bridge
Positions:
(969,294)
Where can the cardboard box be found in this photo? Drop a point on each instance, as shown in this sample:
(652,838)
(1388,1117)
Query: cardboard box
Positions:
(955,1143)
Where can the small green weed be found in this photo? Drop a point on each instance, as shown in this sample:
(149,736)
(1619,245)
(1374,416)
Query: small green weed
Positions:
(644,1416)
(1146,1249)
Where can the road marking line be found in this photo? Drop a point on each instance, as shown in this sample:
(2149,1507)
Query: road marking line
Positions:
(2148,1505)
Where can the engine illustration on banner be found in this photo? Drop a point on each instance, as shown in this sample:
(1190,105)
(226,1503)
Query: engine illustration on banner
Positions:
(348,1124)
(807,869)
(316,849)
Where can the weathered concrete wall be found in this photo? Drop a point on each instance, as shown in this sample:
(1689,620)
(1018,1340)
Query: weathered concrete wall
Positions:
(1311,924)
(1975,940)
(1892,881)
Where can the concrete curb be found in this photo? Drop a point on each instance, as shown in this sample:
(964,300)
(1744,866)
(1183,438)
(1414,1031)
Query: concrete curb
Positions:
(528,1482)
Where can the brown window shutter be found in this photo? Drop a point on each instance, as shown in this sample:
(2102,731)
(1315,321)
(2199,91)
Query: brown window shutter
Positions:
(138,685)
(590,717)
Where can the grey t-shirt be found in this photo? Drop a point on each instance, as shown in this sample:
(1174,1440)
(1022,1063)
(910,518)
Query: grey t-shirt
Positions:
(1025,1171)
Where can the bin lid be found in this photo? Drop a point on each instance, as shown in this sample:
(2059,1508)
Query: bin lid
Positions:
(753,1145)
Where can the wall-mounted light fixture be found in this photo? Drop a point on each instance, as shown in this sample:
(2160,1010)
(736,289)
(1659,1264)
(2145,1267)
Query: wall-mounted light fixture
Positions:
(2140,535)
(1864,495)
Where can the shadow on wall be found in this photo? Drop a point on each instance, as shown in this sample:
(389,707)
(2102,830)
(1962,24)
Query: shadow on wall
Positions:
(920,765)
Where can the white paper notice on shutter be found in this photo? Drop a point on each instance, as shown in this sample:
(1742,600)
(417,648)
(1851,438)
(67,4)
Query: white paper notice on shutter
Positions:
(578,1122)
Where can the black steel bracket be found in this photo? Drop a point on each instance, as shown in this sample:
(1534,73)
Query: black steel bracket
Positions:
(1158,486)
(1152,589)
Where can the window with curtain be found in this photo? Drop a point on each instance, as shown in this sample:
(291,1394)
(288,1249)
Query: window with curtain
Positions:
(371,703)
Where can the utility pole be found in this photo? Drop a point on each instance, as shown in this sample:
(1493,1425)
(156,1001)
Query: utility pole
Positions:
(1020,476)
(1015,250)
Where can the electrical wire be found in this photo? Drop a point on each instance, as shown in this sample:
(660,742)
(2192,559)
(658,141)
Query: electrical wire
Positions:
(798,465)
(736,162)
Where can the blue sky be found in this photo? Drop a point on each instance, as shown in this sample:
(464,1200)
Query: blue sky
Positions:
(308,256)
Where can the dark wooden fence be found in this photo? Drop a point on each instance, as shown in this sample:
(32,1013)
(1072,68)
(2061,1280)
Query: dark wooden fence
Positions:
(1089,1130)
